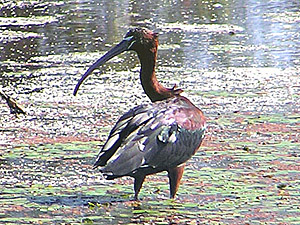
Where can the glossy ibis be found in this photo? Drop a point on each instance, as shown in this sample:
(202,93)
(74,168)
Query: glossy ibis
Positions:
(155,137)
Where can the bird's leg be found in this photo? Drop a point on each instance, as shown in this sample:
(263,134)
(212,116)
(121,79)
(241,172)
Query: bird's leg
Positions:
(138,182)
(175,175)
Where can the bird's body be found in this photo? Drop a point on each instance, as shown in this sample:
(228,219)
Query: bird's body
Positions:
(154,137)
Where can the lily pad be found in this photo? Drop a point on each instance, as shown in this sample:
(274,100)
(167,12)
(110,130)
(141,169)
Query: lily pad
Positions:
(219,28)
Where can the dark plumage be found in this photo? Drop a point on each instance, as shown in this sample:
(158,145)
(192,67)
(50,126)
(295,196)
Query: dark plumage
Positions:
(155,137)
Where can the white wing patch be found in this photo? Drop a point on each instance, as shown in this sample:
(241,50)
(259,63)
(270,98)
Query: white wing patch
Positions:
(172,138)
(166,137)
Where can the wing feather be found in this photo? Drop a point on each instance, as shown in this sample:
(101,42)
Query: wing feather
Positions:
(123,129)
(151,136)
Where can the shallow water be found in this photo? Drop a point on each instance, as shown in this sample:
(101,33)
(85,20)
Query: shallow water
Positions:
(237,60)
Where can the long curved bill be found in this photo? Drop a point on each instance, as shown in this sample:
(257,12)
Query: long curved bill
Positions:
(118,49)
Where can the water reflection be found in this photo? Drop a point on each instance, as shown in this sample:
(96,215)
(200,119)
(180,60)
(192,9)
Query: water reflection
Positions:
(42,56)
(270,36)
(268,29)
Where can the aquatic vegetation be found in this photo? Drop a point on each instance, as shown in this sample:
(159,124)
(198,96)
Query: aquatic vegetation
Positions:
(245,78)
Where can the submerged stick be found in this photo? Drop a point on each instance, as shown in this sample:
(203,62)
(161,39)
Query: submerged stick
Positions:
(12,104)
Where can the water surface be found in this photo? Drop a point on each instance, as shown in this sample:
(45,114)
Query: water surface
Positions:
(237,60)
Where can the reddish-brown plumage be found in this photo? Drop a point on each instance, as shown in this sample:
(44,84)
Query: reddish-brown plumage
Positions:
(155,137)
(188,116)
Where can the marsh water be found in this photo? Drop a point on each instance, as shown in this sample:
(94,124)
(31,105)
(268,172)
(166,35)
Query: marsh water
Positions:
(239,61)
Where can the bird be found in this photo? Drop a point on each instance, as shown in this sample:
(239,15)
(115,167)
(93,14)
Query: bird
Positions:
(153,137)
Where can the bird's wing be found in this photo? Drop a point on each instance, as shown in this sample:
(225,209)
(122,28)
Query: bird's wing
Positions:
(154,136)
(122,132)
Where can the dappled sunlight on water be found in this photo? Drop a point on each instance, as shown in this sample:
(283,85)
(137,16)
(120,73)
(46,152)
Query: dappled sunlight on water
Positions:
(237,60)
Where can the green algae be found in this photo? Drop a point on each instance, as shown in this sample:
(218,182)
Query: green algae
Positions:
(247,171)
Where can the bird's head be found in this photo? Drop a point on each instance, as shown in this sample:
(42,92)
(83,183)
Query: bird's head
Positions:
(141,39)
(136,39)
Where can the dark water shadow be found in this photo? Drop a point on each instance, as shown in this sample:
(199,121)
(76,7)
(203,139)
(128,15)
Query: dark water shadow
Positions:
(75,200)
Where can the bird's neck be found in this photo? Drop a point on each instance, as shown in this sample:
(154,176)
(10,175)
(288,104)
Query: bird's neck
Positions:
(154,90)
